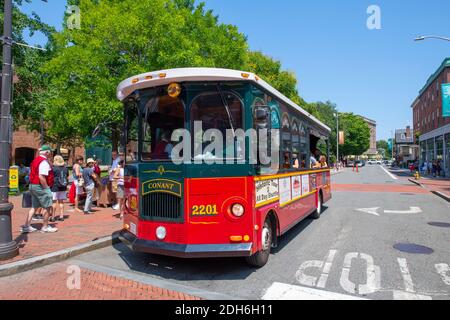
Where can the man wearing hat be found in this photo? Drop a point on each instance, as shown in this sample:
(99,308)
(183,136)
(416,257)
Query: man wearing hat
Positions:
(41,181)
(90,178)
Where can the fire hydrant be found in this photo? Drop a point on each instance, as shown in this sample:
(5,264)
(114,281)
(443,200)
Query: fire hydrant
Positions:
(417,175)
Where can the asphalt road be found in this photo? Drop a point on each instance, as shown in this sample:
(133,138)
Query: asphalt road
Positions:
(345,254)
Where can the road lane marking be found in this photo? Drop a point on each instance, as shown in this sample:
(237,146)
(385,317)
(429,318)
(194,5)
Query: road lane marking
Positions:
(370,210)
(402,295)
(373,282)
(407,280)
(409,293)
(443,269)
(326,269)
(309,280)
(389,174)
(305,279)
(282,291)
(412,210)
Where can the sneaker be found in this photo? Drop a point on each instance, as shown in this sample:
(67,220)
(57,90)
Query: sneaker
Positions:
(115,207)
(36,217)
(88,212)
(27,229)
(48,230)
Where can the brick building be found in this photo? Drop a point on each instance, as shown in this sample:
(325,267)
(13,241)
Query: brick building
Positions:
(26,143)
(373,151)
(431,129)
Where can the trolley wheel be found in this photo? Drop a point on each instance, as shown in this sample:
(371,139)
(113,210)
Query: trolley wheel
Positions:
(316,214)
(260,258)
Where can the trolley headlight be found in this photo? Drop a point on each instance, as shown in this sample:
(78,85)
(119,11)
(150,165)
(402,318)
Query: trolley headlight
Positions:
(161,233)
(237,210)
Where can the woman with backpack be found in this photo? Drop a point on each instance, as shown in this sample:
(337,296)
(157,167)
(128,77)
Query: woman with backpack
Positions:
(59,188)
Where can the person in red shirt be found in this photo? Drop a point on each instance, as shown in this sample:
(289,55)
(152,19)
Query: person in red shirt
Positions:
(41,181)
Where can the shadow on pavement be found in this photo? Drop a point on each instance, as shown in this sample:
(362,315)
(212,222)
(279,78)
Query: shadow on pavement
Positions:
(202,268)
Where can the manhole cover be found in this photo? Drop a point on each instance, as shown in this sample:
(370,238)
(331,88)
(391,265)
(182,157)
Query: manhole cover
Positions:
(413,248)
(440,224)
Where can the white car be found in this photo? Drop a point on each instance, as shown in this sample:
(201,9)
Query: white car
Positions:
(371,161)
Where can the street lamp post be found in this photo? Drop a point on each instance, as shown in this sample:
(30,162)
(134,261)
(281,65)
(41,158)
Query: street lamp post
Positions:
(8,247)
(337,139)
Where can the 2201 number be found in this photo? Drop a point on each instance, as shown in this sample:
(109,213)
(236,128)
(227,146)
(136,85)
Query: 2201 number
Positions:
(205,210)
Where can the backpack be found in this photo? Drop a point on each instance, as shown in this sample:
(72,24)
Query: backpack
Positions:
(62,179)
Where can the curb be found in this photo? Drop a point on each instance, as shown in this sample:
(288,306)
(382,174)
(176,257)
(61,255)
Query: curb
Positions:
(440,194)
(415,182)
(49,258)
(437,193)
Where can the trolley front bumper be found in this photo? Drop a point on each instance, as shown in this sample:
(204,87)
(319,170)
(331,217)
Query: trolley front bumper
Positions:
(185,250)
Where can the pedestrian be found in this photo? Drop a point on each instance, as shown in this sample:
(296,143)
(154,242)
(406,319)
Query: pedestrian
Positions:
(118,176)
(112,191)
(41,180)
(90,179)
(77,174)
(59,188)
(430,167)
(438,168)
(434,168)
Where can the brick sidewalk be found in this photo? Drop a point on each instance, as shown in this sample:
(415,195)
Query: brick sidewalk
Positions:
(76,229)
(51,283)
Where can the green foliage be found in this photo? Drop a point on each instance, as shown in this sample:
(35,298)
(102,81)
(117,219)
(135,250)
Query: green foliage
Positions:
(27,106)
(356,132)
(119,39)
(270,71)
(384,146)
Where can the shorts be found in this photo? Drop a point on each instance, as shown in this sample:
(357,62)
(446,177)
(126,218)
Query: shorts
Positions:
(120,192)
(60,195)
(40,198)
(78,190)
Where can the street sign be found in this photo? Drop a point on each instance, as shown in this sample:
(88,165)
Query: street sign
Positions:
(14,179)
(446,100)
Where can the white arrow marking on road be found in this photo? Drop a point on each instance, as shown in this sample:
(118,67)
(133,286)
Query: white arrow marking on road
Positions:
(411,210)
(370,210)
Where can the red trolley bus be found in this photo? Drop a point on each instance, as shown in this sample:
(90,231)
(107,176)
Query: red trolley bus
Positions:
(237,207)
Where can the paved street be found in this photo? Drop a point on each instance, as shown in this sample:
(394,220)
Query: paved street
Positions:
(348,253)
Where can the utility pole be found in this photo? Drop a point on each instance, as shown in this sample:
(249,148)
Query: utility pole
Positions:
(337,137)
(8,247)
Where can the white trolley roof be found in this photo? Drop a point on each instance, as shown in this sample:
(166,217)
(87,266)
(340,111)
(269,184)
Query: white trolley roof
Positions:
(164,77)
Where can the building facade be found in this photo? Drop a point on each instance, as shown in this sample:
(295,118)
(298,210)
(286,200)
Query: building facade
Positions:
(25,145)
(431,129)
(405,149)
(373,151)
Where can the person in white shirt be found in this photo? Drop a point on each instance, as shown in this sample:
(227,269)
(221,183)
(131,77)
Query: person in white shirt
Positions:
(115,163)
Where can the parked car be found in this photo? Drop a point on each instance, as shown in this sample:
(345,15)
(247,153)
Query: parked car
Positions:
(371,161)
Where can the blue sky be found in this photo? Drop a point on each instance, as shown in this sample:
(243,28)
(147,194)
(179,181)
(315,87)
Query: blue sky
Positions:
(375,73)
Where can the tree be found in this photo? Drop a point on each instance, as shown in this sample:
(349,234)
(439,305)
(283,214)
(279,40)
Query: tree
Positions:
(119,39)
(270,71)
(384,145)
(27,107)
(326,113)
(356,132)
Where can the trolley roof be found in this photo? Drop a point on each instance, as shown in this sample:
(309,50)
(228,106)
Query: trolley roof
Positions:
(164,77)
